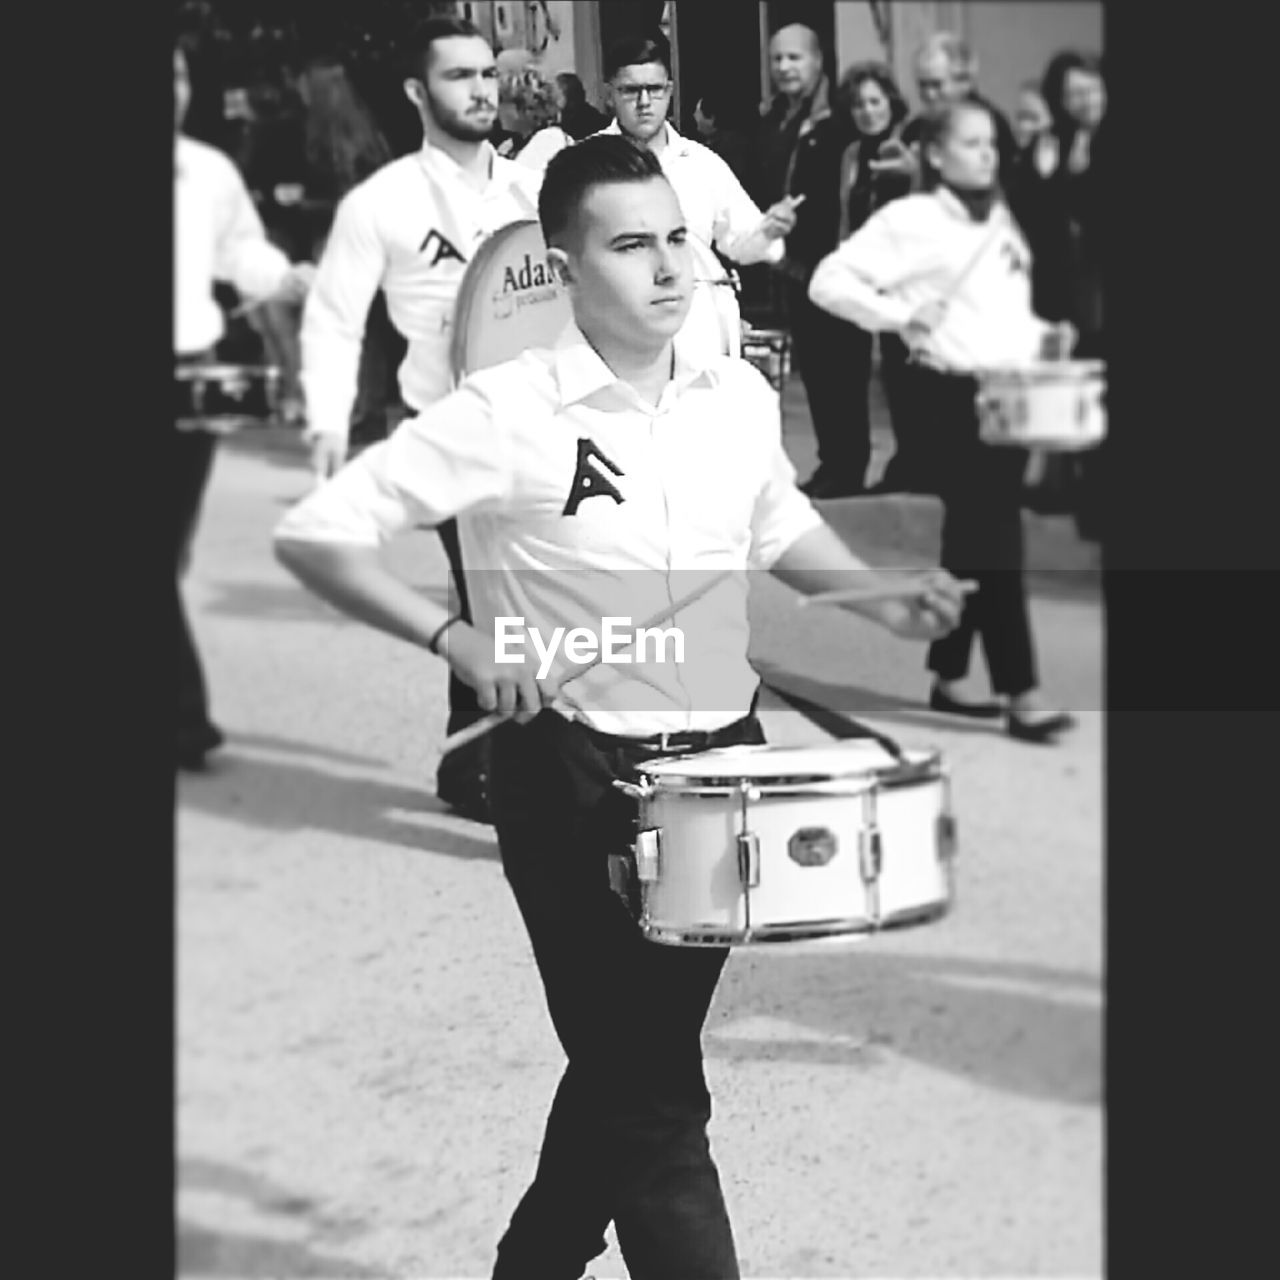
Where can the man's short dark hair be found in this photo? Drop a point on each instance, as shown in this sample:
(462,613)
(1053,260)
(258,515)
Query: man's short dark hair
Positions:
(578,169)
(417,48)
(635,52)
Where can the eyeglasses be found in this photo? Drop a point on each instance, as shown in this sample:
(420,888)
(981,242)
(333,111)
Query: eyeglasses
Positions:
(632,92)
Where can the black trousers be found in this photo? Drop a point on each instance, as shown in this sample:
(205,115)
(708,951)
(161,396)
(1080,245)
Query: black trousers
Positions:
(904,471)
(626,1138)
(834,359)
(191,464)
(982,537)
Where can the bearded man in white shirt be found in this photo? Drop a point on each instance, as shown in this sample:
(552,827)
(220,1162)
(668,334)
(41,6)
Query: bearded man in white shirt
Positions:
(587,478)
(410,230)
(217,235)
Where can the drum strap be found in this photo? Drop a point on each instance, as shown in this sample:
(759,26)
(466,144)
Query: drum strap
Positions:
(833,722)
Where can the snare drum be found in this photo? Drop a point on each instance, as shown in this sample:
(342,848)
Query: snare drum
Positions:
(750,845)
(222,398)
(510,299)
(1055,406)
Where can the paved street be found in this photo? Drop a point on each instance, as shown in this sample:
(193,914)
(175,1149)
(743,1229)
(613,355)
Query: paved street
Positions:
(364,1057)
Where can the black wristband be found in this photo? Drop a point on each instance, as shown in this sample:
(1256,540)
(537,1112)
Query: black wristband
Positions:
(434,643)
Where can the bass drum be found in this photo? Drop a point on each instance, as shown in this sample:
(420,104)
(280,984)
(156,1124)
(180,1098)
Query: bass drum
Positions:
(509,300)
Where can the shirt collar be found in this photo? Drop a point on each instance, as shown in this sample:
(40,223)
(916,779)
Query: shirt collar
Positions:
(676,144)
(956,209)
(444,167)
(580,372)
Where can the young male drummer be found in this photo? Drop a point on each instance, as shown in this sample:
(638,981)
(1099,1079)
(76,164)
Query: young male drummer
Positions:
(602,470)
(410,230)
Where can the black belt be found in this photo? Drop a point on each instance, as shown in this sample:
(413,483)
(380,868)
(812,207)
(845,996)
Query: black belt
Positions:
(682,740)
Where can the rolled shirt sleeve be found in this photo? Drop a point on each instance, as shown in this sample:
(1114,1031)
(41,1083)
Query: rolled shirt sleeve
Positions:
(852,280)
(243,255)
(454,457)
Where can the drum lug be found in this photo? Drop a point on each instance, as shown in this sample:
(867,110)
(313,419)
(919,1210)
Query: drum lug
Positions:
(870,854)
(948,843)
(871,859)
(749,859)
(649,855)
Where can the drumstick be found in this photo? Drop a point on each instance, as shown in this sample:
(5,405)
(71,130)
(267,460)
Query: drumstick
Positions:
(888,591)
(493,719)
(953,288)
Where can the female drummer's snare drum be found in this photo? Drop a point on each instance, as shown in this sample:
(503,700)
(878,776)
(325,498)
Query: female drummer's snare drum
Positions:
(750,845)
(222,398)
(1057,406)
(509,299)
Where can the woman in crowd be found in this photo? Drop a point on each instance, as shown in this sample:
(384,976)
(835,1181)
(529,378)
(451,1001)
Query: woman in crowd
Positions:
(870,96)
(948,269)
(322,143)
(1058,204)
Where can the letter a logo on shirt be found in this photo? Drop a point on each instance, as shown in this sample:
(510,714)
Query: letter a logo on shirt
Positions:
(443,248)
(588,480)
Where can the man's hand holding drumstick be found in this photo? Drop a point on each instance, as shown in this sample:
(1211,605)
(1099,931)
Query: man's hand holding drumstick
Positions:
(780,218)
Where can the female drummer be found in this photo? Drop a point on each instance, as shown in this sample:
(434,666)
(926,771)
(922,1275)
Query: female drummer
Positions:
(949,270)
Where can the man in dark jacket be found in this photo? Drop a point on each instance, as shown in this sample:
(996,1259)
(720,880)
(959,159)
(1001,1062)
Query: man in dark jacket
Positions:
(799,149)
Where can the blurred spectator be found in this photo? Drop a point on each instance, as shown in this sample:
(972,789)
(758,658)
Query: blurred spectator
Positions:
(800,147)
(1066,234)
(578,118)
(946,72)
(716,130)
(870,96)
(318,142)
(538,106)
(1032,129)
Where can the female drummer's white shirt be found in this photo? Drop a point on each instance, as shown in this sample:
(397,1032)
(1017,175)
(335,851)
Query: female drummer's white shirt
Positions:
(217,235)
(705,485)
(911,252)
(410,228)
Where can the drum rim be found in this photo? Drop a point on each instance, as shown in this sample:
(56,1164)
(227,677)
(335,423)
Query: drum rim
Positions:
(795,931)
(211,372)
(1045,371)
(928,766)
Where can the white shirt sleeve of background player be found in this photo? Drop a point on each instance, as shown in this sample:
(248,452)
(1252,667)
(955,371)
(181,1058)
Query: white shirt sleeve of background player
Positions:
(782,514)
(851,281)
(243,255)
(737,231)
(537,152)
(333,320)
(454,457)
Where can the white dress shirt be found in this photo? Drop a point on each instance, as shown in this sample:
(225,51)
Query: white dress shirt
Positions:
(217,235)
(914,251)
(704,486)
(410,229)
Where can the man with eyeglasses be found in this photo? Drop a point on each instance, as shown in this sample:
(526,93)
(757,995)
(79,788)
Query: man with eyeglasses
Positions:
(721,217)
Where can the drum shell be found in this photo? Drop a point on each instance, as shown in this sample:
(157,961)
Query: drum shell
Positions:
(698,895)
(1052,407)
